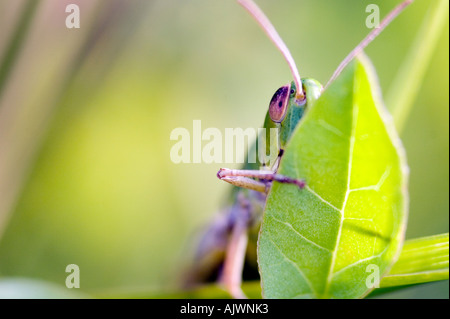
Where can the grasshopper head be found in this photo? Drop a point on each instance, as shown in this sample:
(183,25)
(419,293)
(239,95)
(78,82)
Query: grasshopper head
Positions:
(286,110)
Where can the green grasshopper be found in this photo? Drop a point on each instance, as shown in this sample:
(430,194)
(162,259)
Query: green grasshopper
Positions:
(230,242)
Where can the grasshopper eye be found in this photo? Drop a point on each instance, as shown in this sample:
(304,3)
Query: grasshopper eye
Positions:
(278,103)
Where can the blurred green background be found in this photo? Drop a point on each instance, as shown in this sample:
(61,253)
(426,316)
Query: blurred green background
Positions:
(86,115)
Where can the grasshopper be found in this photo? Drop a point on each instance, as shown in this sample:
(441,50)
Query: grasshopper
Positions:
(230,241)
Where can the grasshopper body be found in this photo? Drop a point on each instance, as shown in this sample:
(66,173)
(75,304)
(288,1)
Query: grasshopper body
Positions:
(234,232)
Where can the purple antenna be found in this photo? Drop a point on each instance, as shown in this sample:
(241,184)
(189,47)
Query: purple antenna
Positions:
(369,38)
(269,29)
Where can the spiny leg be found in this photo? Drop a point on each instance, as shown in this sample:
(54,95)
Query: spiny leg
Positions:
(233,267)
(244,178)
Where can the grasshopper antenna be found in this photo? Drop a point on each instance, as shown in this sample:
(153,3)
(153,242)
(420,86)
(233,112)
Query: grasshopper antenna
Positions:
(269,29)
(369,38)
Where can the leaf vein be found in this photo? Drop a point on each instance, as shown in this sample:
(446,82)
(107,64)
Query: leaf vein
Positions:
(378,185)
(309,189)
(330,127)
(321,198)
(294,264)
(300,235)
(359,261)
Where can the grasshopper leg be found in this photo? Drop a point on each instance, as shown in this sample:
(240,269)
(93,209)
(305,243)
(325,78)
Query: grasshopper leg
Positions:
(245,182)
(233,267)
(244,178)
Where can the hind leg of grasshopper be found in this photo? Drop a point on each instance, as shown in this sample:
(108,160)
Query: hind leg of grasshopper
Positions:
(244,178)
(231,276)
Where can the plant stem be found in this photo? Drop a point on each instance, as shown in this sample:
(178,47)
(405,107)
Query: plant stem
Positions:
(16,41)
(406,85)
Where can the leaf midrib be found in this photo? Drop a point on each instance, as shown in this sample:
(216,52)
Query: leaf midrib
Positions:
(349,170)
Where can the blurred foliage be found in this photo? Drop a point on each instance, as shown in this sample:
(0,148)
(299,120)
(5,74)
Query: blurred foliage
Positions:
(86,115)
(23,288)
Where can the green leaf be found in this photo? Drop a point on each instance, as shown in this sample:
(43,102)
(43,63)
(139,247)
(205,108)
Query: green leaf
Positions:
(422,260)
(319,241)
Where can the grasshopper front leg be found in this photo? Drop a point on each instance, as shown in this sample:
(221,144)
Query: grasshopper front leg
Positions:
(245,178)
